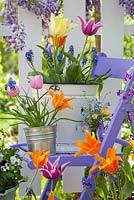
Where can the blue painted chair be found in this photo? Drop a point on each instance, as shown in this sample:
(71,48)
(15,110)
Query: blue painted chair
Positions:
(118,68)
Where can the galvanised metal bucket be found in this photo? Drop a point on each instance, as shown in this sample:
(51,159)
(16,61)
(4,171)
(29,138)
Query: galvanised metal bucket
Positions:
(8,194)
(41,138)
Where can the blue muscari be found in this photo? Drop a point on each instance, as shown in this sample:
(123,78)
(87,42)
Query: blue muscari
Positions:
(11,83)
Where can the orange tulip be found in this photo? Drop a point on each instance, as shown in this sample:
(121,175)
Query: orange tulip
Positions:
(109,164)
(51,196)
(60,41)
(131,142)
(39,158)
(90,146)
(59,102)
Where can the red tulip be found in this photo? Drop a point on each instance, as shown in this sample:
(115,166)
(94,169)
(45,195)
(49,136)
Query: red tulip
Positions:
(36,82)
(90,28)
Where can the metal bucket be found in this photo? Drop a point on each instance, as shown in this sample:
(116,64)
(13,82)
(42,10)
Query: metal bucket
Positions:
(8,194)
(41,138)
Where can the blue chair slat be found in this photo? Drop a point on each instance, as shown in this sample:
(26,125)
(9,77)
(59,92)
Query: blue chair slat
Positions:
(118,66)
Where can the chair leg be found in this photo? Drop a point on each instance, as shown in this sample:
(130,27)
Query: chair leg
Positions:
(46,191)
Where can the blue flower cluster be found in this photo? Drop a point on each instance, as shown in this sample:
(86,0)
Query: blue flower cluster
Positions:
(11,83)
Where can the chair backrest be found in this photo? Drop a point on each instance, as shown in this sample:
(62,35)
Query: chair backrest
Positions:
(117,66)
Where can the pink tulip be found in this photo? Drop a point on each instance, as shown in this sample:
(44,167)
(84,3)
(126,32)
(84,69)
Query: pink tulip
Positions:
(13,92)
(53,171)
(36,82)
(90,28)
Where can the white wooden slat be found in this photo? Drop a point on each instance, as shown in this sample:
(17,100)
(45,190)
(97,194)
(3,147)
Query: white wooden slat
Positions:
(33,29)
(72,9)
(4,30)
(112,44)
(129,29)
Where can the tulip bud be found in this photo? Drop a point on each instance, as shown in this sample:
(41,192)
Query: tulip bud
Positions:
(13,92)
(36,82)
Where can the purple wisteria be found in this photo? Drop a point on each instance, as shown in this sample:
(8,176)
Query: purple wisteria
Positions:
(129,6)
(40,8)
(95,4)
(16,40)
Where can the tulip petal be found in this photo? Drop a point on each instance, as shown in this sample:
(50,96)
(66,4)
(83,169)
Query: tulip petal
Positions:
(46,173)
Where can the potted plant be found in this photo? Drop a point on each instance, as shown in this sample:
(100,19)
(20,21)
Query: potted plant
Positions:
(95,115)
(68,71)
(39,118)
(10,169)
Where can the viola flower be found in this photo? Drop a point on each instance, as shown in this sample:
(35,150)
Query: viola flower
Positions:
(109,164)
(90,146)
(36,82)
(59,102)
(90,28)
(94,116)
(51,196)
(105,111)
(39,158)
(53,171)
(127,76)
(59,26)
(119,92)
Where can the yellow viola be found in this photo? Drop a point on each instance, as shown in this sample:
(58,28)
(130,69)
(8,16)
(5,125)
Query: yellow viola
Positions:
(60,26)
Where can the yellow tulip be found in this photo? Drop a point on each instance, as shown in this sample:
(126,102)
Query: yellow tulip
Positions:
(60,26)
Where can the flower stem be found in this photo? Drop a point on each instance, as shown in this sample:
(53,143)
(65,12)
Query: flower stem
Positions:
(30,184)
(110,186)
(37,100)
(82,53)
(52,183)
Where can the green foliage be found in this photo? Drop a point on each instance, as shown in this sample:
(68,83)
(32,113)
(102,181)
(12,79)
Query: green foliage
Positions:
(27,110)
(119,185)
(94,114)
(10,165)
(129,46)
(69,69)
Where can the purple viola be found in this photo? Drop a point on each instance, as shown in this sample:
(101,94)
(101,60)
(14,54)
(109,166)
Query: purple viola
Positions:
(53,171)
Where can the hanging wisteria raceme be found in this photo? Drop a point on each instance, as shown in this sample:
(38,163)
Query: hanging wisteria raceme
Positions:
(129,6)
(16,40)
(40,8)
(90,5)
